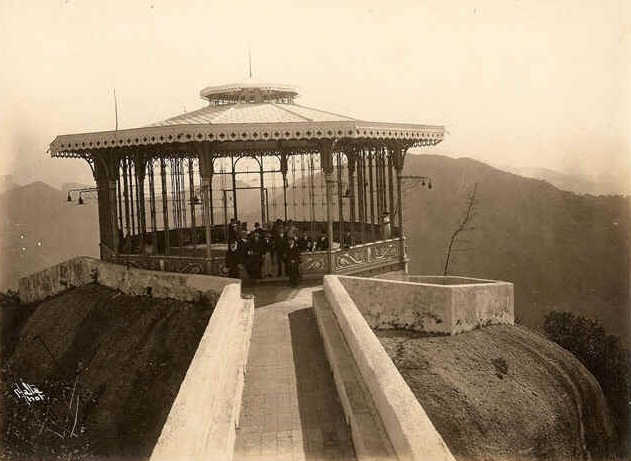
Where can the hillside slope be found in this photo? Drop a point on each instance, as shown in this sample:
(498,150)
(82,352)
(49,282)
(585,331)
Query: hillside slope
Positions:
(503,392)
(39,228)
(118,359)
(561,250)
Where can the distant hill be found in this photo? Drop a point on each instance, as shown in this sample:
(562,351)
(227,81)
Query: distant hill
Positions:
(561,250)
(6,183)
(579,184)
(39,228)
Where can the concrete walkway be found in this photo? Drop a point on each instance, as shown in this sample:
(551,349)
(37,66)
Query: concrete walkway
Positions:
(290,407)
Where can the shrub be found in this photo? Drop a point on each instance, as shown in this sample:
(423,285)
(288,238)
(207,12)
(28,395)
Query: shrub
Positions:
(604,355)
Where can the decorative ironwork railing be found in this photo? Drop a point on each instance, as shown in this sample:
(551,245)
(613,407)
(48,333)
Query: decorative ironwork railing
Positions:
(363,257)
(186,265)
(314,262)
(357,259)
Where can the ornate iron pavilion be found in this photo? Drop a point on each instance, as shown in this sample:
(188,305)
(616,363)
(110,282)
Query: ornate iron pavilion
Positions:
(167,191)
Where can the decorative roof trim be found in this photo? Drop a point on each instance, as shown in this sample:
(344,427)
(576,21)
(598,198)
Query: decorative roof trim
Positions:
(414,135)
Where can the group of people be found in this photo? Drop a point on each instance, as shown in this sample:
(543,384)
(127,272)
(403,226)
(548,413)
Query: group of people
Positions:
(269,250)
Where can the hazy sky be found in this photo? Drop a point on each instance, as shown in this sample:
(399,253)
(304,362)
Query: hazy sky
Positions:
(539,83)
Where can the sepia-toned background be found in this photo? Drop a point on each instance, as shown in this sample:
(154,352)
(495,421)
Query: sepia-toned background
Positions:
(531,85)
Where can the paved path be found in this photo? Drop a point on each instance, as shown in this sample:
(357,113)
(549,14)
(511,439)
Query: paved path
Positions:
(290,407)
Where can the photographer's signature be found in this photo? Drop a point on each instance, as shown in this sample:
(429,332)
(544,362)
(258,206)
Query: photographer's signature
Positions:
(28,392)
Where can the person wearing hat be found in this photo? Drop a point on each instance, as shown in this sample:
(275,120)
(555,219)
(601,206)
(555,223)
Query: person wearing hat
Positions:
(322,244)
(293,261)
(305,243)
(347,240)
(267,244)
(280,249)
(233,260)
(254,259)
(233,231)
(258,229)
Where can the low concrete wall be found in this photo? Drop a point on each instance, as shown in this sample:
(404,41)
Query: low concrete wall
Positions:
(474,306)
(433,279)
(369,436)
(389,304)
(409,429)
(56,279)
(432,304)
(205,413)
(138,282)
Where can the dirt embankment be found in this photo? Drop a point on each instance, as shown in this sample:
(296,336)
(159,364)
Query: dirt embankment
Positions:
(504,392)
(109,365)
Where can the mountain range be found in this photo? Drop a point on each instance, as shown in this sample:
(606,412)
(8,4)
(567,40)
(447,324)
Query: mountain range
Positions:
(615,184)
(563,251)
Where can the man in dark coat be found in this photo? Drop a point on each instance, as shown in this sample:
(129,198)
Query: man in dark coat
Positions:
(322,244)
(243,246)
(233,231)
(293,261)
(258,229)
(254,258)
(347,240)
(233,260)
(268,251)
(305,243)
(280,249)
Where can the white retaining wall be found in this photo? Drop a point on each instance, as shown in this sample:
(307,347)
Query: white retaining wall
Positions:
(204,416)
(84,270)
(409,429)
(432,304)
(205,413)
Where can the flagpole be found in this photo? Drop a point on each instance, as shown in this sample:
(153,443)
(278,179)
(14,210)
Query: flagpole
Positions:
(115,110)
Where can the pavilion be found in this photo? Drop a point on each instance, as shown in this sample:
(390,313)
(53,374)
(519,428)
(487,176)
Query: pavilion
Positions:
(167,191)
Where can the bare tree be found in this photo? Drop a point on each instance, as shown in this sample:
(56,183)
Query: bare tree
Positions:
(463,226)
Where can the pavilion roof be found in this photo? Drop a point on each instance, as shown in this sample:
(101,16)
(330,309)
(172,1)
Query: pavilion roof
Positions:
(248,113)
(264,112)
